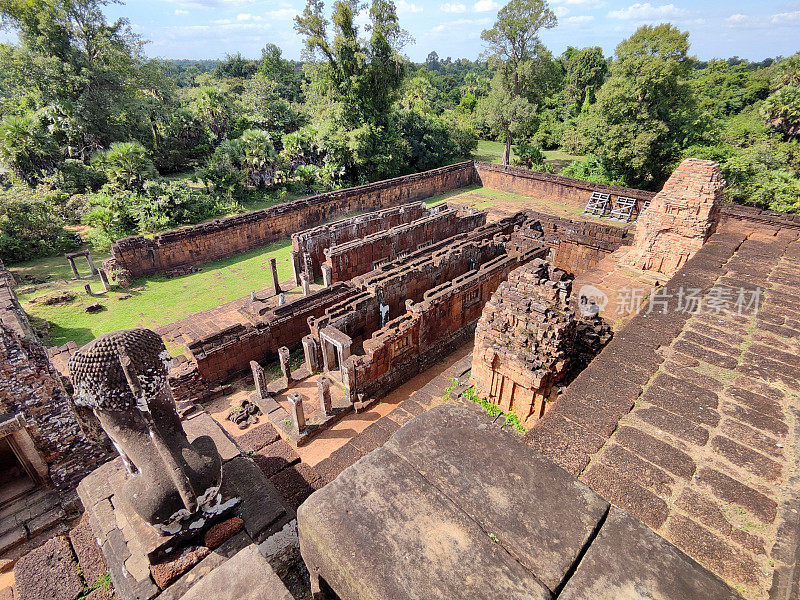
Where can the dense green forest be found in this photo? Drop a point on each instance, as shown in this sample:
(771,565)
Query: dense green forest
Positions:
(98,138)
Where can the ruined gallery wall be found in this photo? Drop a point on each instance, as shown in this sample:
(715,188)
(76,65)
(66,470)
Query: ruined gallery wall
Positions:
(180,249)
(443,320)
(31,386)
(578,245)
(313,242)
(360,316)
(360,256)
(545,186)
(229,353)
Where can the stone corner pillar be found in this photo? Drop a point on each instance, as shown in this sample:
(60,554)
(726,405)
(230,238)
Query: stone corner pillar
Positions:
(284,357)
(312,354)
(327,276)
(324,391)
(297,413)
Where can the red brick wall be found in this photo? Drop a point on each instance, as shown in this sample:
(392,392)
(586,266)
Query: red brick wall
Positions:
(224,355)
(359,256)
(314,241)
(445,318)
(191,246)
(545,186)
(30,385)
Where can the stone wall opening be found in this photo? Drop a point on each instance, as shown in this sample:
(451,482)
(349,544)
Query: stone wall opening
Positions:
(17,475)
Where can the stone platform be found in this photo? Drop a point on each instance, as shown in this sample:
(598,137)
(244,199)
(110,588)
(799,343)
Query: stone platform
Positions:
(452,507)
(145,565)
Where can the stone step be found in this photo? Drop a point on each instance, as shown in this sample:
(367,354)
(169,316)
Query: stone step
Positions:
(12,538)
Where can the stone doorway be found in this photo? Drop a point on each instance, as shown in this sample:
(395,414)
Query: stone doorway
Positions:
(22,470)
(15,481)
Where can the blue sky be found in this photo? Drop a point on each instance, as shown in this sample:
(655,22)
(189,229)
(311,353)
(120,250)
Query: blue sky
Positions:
(719,28)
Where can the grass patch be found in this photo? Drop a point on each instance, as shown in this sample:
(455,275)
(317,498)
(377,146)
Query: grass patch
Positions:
(155,301)
(480,198)
(511,420)
(492,152)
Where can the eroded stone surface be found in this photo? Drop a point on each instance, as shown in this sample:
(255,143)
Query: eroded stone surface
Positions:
(245,576)
(629,561)
(48,573)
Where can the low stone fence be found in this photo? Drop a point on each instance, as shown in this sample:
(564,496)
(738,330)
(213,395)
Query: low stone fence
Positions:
(553,188)
(179,250)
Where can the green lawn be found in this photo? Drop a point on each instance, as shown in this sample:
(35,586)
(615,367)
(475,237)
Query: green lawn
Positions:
(492,152)
(154,301)
(480,198)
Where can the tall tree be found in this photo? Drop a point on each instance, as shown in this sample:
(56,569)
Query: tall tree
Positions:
(75,68)
(514,50)
(586,71)
(356,82)
(645,113)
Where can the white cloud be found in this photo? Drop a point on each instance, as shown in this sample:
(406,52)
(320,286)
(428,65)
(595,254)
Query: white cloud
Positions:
(281,14)
(646,12)
(578,20)
(485,6)
(787,18)
(586,3)
(210,3)
(561,11)
(407,7)
(739,19)
(460,24)
(181,13)
(453,7)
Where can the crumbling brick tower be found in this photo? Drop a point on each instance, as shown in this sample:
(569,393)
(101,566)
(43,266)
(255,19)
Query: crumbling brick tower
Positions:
(680,218)
(524,340)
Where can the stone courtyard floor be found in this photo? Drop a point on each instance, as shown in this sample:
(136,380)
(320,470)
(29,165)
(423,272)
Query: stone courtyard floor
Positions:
(690,421)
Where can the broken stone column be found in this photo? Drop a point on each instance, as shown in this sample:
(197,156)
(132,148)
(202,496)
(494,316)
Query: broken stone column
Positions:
(306,285)
(680,218)
(297,266)
(524,340)
(311,351)
(122,378)
(273,268)
(324,391)
(327,276)
(75,273)
(281,299)
(104,280)
(284,357)
(260,379)
(90,262)
(296,410)
(88,289)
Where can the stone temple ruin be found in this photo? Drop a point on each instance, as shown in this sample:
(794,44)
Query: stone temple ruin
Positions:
(441,402)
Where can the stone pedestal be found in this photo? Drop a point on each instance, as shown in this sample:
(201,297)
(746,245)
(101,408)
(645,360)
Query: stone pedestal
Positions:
(145,565)
(306,284)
